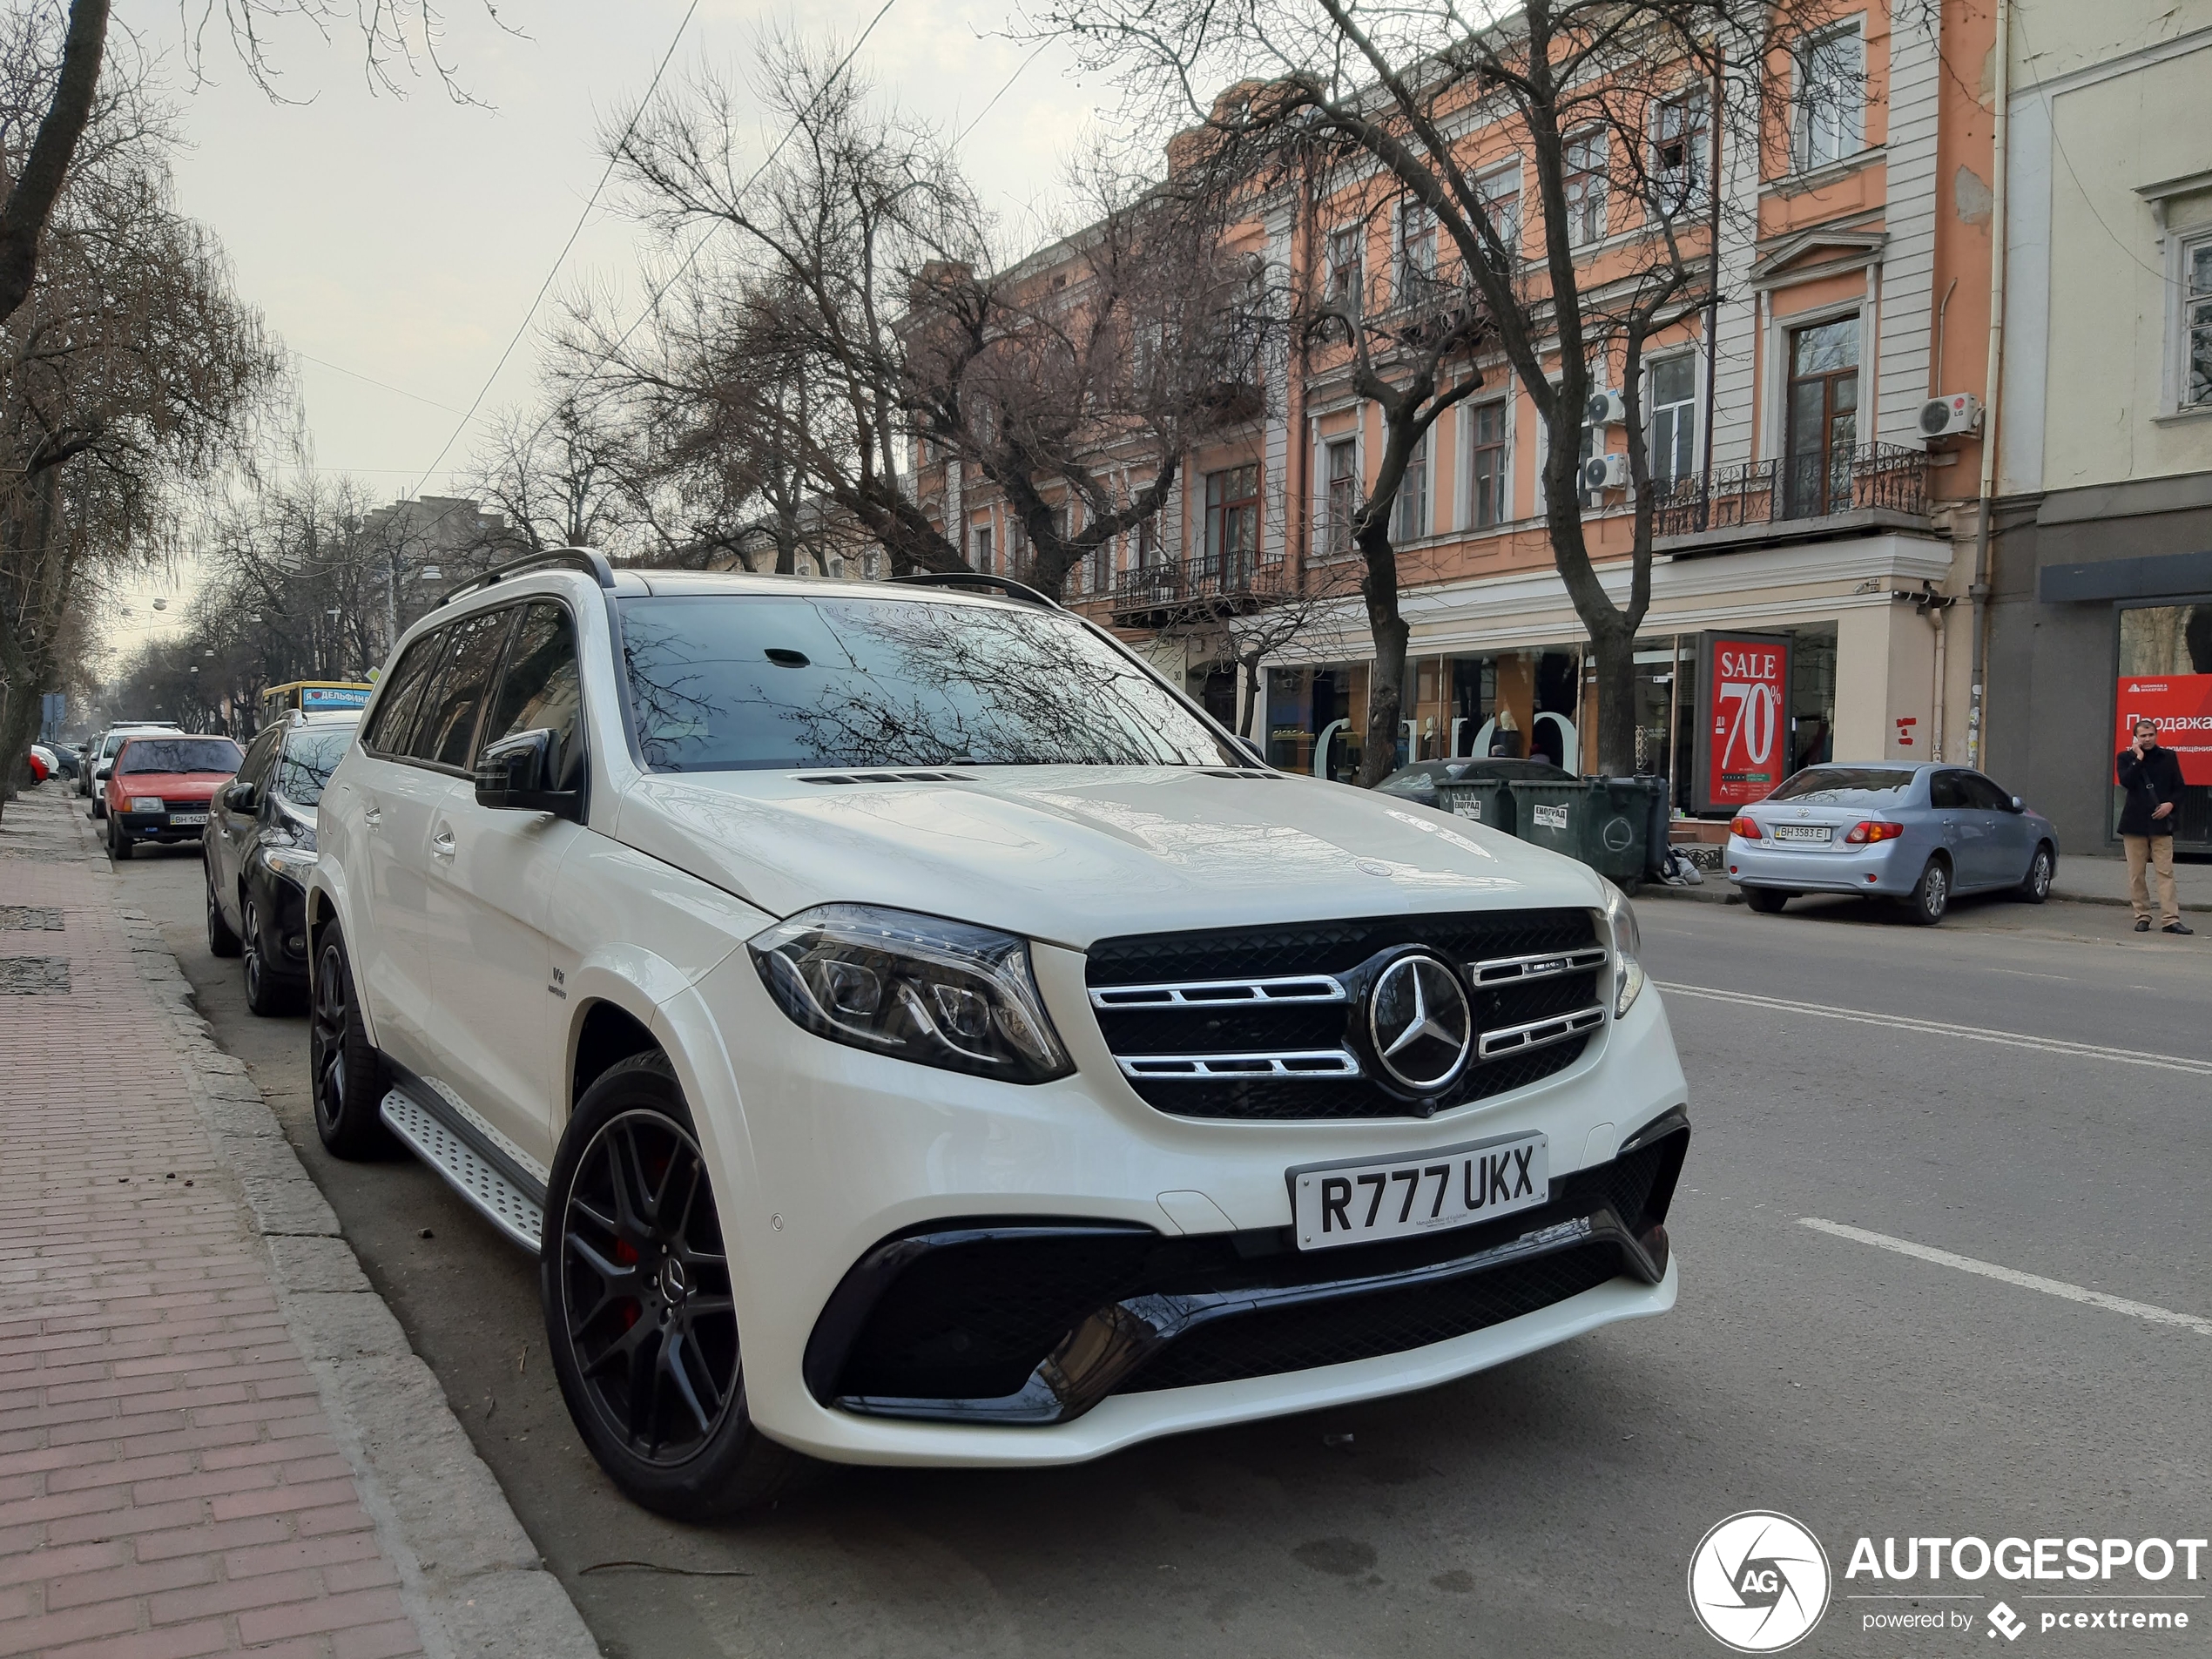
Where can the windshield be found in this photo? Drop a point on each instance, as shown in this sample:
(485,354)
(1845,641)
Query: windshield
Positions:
(746,681)
(1847,785)
(179,754)
(309,758)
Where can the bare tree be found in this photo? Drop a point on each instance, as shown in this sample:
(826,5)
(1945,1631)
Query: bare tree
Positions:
(1616,107)
(564,479)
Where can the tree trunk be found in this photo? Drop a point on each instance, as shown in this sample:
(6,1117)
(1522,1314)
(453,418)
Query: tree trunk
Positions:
(1386,683)
(30,204)
(1614,650)
(1251,698)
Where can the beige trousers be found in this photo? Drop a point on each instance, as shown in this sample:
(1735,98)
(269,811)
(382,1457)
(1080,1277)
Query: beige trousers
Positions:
(2157,852)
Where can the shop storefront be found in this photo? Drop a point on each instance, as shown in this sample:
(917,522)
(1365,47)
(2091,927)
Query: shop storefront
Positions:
(2165,674)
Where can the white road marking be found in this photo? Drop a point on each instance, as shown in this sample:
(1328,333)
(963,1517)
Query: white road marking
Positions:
(1940,1028)
(2013,1275)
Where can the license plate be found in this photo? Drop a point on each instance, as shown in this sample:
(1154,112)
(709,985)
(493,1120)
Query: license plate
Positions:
(1802,832)
(1356,1203)
(186,820)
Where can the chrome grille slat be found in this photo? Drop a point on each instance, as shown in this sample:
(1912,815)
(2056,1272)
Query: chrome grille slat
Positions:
(1519,970)
(1537,1033)
(1221,993)
(1332,1064)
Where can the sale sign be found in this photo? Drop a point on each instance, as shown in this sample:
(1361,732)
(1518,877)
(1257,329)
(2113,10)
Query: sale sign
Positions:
(1743,718)
(2181,704)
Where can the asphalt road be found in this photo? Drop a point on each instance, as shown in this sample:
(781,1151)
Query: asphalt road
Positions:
(1840,1070)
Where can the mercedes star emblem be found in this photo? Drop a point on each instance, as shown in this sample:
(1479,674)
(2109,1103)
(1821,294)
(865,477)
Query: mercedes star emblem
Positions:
(1418,1018)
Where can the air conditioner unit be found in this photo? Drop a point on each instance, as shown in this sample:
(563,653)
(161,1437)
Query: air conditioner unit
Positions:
(1605,409)
(1605,472)
(1948,417)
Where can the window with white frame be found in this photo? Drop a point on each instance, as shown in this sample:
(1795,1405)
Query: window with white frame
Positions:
(1411,520)
(1584,156)
(1681,153)
(1499,191)
(1829,121)
(2196,324)
(1416,248)
(1347,260)
(1344,496)
(1485,464)
(983,550)
(1673,402)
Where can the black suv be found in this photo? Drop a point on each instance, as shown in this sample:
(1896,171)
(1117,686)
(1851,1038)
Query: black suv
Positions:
(258,845)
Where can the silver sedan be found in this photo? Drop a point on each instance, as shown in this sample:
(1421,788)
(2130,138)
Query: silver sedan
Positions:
(1921,834)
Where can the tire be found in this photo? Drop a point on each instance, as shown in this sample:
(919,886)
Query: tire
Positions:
(99,808)
(1931,894)
(267,994)
(2035,887)
(344,1070)
(118,841)
(220,940)
(621,1269)
(1765,900)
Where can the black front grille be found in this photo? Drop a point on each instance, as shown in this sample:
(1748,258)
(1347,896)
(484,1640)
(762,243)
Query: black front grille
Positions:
(1329,1333)
(973,1318)
(1334,947)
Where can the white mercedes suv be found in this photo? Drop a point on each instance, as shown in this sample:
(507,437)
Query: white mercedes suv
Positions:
(910,1031)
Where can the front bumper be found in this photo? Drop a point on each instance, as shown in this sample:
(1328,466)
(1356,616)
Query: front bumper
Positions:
(160,826)
(283,913)
(829,1156)
(1889,867)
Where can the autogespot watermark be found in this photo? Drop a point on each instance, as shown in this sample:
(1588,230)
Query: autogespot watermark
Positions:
(1759,1583)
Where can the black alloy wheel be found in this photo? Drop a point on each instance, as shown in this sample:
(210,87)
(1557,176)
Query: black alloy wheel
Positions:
(1766,901)
(2036,886)
(1931,894)
(640,1316)
(220,940)
(344,1069)
(266,993)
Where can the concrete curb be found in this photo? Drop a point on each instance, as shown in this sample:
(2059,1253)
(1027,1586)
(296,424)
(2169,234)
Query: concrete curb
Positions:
(471,1578)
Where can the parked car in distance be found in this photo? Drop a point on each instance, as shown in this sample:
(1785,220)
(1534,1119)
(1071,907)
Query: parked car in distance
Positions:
(102,755)
(906,976)
(258,846)
(43,763)
(1420,781)
(1923,833)
(158,786)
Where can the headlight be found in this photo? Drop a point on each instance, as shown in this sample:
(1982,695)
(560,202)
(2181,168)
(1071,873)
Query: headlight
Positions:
(937,993)
(146,803)
(290,862)
(1627,947)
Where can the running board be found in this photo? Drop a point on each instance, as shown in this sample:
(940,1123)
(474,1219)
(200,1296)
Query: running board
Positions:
(466,1170)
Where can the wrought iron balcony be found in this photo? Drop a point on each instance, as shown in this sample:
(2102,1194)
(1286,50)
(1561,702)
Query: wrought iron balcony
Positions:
(1876,483)
(1157,596)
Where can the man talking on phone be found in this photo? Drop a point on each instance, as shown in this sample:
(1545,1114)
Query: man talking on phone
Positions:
(2152,777)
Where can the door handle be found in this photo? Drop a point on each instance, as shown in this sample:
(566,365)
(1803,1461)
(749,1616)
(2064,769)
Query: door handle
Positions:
(373,817)
(442,844)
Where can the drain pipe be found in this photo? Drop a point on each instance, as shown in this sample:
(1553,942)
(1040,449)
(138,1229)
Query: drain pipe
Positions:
(1936,607)
(1992,395)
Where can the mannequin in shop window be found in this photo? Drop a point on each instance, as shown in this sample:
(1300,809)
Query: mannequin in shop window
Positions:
(1504,738)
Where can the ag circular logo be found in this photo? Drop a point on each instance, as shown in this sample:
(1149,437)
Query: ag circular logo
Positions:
(1421,1022)
(1759,1583)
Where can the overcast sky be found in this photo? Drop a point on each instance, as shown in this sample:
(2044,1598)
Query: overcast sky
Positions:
(400,240)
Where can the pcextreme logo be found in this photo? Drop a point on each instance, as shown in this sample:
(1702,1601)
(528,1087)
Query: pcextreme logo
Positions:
(1759,1583)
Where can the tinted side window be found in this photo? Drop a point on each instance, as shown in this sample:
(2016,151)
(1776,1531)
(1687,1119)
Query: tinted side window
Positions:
(258,753)
(539,689)
(1945,791)
(449,709)
(387,732)
(1981,792)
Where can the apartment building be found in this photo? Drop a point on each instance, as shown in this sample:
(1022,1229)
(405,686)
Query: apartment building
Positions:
(2099,580)
(1807,492)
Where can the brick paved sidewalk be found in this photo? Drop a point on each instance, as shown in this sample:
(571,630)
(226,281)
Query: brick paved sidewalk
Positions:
(170,1483)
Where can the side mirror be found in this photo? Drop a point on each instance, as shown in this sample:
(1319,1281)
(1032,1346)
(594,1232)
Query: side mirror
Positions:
(105,768)
(1259,756)
(517,774)
(2019,805)
(241,797)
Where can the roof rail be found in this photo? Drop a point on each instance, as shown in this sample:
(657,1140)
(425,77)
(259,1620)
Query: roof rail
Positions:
(576,558)
(1004,585)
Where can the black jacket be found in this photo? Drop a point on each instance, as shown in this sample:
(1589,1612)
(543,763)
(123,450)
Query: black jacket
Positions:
(2149,780)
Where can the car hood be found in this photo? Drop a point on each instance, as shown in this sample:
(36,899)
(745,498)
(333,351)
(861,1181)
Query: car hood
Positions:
(170,785)
(1072,854)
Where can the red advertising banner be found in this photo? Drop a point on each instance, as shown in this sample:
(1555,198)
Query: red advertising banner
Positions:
(1743,718)
(2181,704)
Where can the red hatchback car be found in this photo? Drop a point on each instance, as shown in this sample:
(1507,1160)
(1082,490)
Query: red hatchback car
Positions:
(161,787)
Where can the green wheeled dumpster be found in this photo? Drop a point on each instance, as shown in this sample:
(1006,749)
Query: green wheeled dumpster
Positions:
(1604,822)
(1485,800)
